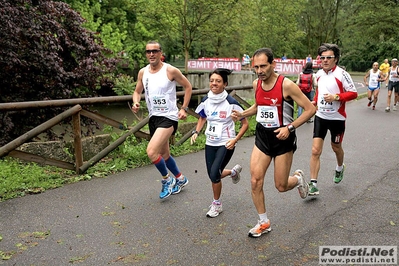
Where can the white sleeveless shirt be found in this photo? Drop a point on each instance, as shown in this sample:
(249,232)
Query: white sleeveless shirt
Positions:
(160,93)
(373,79)
(393,74)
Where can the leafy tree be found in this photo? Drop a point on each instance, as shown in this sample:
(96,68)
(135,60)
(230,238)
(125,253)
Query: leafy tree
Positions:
(118,27)
(223,34)
(370,33)
(273,24)
(45,54)
(320,21)
(184,22)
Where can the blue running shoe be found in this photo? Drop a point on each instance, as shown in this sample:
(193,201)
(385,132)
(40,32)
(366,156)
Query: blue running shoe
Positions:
(167,188)
(179,185)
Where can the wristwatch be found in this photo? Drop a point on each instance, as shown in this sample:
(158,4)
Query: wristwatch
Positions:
(185,109)
(194,132)
(336,97)
(291,128)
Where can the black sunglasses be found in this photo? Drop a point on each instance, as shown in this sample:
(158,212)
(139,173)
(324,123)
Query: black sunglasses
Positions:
(152,51)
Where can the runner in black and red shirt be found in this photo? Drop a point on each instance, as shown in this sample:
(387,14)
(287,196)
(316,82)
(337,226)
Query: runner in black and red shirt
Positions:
(275,133)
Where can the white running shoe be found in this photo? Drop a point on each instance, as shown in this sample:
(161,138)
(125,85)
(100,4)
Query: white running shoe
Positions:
(214,210)
(238,170)
(260,229)
(303,186)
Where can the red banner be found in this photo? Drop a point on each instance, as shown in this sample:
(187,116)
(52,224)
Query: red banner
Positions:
(203,64)
(286,67)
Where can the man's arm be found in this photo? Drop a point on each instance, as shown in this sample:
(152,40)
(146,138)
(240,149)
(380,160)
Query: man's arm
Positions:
(137,92)
(350,91)
(365,78)
(175,74)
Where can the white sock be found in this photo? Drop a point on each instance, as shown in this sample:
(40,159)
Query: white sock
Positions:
(339,168)
(216,202)
(233,172)
(299,179)
(263,217)
(166,178)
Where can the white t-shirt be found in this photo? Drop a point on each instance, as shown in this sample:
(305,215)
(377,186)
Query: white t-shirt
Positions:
(220,126)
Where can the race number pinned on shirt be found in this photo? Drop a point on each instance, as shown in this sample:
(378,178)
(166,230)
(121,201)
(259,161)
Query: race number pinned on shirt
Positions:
(327,107)
(267,116)
(159,103)
(214,130)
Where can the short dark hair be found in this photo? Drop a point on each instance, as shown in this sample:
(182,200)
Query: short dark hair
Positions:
(155,42)
(266,51)
(223,72)
(330,47)
(308,66)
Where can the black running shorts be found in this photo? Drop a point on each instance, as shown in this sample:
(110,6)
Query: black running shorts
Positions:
(269,144)
(336,127)
(163,122)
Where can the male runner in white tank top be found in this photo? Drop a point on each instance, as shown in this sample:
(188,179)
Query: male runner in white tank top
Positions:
(393,84)
(158,81)
(373,79)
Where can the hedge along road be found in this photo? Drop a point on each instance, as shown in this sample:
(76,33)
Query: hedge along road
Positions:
(120,220)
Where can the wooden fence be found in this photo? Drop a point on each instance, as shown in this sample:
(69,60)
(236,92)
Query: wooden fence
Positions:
(76,111)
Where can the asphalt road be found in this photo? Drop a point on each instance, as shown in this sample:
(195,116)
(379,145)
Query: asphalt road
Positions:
(120,220)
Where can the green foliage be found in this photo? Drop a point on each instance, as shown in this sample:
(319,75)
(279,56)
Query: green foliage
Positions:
(368,36)
(17,179)
(274,26)
(124,85)
(117,25)
(46,54)
(190,29)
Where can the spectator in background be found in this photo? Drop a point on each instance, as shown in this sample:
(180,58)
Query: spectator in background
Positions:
(384,67)
(309,58)
(246,62)
(307,82)
(284,58)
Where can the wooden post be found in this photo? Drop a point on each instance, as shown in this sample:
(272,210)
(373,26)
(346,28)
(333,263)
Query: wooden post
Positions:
(77,141)
(37,130)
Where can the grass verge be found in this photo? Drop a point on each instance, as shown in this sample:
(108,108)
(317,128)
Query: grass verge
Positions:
(18,178)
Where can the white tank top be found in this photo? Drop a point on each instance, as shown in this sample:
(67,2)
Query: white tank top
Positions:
(393,75)
(160,93)
(373,79)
